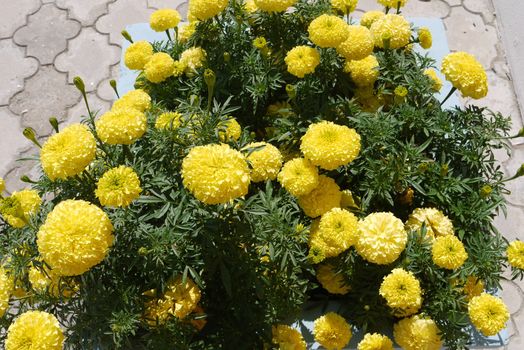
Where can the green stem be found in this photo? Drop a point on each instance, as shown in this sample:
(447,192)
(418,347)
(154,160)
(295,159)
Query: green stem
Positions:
(168,35)
(453,89)
(398,7)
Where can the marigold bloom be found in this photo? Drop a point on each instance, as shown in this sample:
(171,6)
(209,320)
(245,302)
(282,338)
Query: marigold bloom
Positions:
(215,174)
(34,330)
(466,74)
(344,6)
(375,341)
(164,19)
(159,67)
(6,289)
(265,161)
(515,254)
(138,54)
(137,99)
(473,287)
(68,152)
(436,223)
(330,145)
(337,231)
(369,17)
(393,29)
(321,199)
(18,208)
(358,45)
(299,177)
(286,337)
(488,314)
(332,331)
(186,31)
(425,38)
(437,83)
(381,238)
(168,121)
(402,292)
(363,72)
(206,9)
(448,252)
(122,126)
(118,187)
(274,5)
(193,58)
(393,3)
(302,60)
(330,280)
(75,237)
(416,333)
(250,6)
(47,280)
(232,131)
(328,31)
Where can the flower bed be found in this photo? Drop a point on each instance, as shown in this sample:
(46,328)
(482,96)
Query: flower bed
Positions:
(268,159)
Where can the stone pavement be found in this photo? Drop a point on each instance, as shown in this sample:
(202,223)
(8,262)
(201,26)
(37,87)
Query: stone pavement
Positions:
(45,43)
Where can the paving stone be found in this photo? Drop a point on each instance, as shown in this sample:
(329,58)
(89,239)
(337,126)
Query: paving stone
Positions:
(14,67)
(18,168)
(46,33)
(86,12)
(14,15)
(89,56)
(104,90)
(509,226)
(122,13)
(12,140)
(369,5)
(454,2)
(467,32)
(433,8)
(484,7)
(512,296)
(515,186)
(517,342)
(79,111)
(160,4)
(46,94)
(501,68)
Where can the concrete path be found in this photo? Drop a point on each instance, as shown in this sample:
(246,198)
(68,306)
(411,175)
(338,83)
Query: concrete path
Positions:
(45,43)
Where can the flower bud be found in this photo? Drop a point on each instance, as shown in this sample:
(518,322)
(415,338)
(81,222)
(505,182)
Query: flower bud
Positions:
(127,36)
(29,134)
(79,83)
(485,191)
(291,91)
(54,123)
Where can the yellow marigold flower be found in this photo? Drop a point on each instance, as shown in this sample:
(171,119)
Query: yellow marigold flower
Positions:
(193,58)
(344,6)
(186,31)
(286,337)
(164,19)
(168,121)
(250,6)
(6,289)
(337,231)
(394,4)
(34,330)
(394,29)
(321,199)
(473,287)
(118,187)
(46,280)
(274,5)
(299,177)
(437,224)
(466,74)
(401,91)
(375,341)
(416,333)
(205,9)
(68,152)
(265,161)
(159,67)
(138,54)
(381,238)
(402,292)
(18,208)
(332,331)
(348,201)
(328,31)
(367,98)
(488,314)
(330,280)
(231,130)
(122,126)
(515,254)
(358,45)
(369,17)
(180,68)
(448,252)
(302,60)
(215,174)
(260,42)
(363,72)
(2,185)
(330,145)
(75,237)
(179,300)
(425,38)
(137,99)
(437,83)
